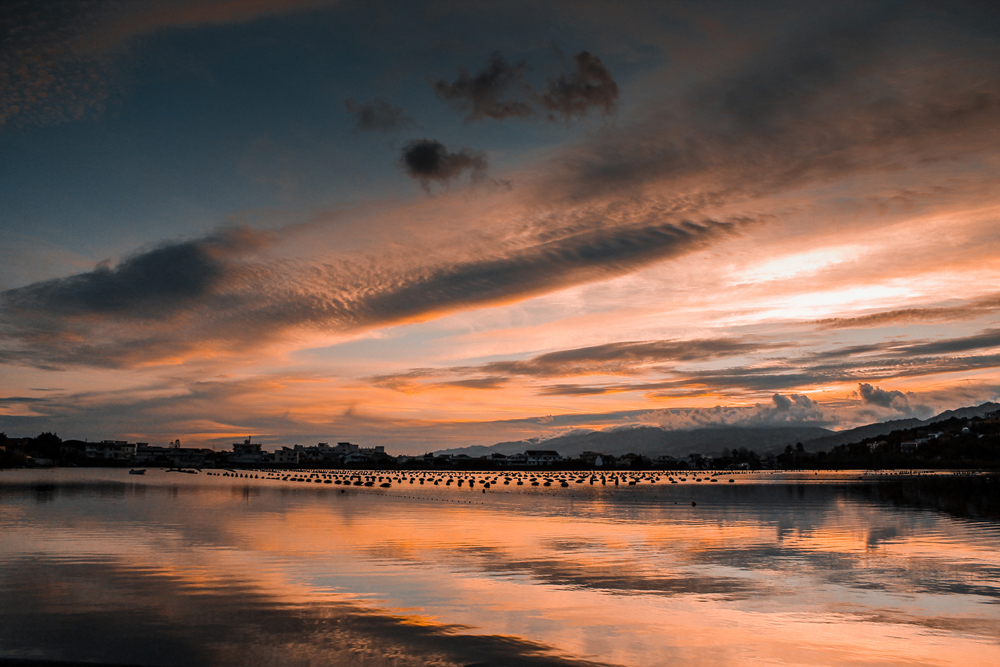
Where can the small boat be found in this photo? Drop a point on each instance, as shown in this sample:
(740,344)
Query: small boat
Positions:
(137,471)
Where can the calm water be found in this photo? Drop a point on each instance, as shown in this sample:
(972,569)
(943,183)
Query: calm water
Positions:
(174,569)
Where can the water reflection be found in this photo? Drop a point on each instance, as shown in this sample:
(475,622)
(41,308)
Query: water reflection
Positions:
(97,567)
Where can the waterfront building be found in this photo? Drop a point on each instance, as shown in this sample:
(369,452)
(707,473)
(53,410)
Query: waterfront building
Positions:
(110,450)
(248,453)
(541,457)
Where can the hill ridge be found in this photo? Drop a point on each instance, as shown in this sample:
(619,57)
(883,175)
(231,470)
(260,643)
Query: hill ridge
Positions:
(657,441)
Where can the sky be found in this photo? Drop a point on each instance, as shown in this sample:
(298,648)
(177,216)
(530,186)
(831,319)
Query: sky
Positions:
(426,225)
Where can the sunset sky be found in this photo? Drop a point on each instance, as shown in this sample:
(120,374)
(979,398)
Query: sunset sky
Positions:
(435,224)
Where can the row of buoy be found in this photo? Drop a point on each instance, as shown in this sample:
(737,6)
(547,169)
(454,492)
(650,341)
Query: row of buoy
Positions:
(371,479)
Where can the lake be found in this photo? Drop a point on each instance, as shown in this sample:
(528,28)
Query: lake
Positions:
(198,569)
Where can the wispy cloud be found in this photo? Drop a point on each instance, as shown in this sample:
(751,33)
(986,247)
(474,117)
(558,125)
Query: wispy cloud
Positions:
(199,297)
(677,369)
(972,309)
(627,358)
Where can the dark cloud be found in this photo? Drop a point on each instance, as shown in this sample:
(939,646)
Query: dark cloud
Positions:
(589,86)
(429,161)
(147,285)
(151,305)
(488,94)
(791,401)
(378,116)
(896,400)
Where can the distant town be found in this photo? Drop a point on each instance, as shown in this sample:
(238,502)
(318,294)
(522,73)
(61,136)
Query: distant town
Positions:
(48,450)
(958,442)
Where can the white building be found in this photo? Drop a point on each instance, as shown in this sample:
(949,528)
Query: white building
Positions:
(286,455)
(517,460)
(541,457)
(188,457)
(146,454)
(110,450)
(249,453)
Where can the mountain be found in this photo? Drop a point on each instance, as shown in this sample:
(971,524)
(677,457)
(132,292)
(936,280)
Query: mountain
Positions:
(966,413)
(885,428)
(860,433)
(653,441)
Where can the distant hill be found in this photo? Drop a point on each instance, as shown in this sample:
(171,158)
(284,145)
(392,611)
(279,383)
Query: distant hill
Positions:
(654,441)
(885,428)
(858,434)
(966,413)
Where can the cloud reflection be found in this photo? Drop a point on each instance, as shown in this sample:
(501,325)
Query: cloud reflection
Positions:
(223,569)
